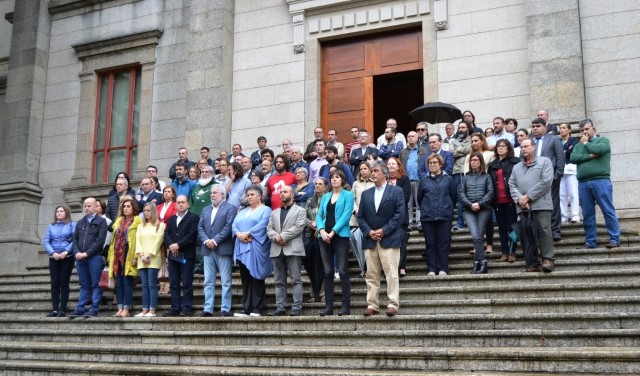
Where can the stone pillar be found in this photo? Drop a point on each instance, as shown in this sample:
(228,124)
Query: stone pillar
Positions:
(555,59)
(209,75)
(20,192)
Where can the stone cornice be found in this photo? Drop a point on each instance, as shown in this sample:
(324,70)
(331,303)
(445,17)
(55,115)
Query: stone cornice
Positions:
(67,8)
(21,191)
(148,38)
(75,195)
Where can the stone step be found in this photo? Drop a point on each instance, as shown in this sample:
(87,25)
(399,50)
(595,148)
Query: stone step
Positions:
(356,322)
(519,359)
(46,368)
(360,338)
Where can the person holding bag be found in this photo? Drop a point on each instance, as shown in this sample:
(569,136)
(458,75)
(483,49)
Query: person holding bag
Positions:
(122,253)
(149,237)
(58,242)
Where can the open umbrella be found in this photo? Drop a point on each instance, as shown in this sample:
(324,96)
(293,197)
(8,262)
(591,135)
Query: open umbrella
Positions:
(527,230)
(436,112)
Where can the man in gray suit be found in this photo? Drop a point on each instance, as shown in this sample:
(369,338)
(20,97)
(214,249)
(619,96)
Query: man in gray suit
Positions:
(287,249)
(550,146)
(214,231)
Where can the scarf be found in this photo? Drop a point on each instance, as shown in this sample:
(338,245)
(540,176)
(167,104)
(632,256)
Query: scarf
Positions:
(120,247)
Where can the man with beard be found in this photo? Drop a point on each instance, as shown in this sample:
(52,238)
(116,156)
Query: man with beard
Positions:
(199,199)
(499,133)
(287,249)
(460,146)
(182,184)
(183,156)
(279,180)
(331,156)
(391,147)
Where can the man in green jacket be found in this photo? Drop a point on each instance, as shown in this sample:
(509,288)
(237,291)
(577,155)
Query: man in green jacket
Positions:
(593,157)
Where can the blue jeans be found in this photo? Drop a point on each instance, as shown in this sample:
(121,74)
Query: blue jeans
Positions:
(598,191)
(214,263)
(124,290)
(89,271)
(149,278)
(477,222)
(457,179)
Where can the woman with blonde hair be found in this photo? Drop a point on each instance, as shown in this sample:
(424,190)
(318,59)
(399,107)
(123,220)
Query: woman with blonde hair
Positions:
(122,253)
(58,242)
(149,237)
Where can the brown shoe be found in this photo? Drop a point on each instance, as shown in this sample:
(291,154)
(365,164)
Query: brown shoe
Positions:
(533,269)
(503,258)
(391,311)
(369,312)
(511,258)
(547,266)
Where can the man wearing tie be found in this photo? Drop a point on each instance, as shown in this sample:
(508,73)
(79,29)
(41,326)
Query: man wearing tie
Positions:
(380,216)
(550,146)
(214,231)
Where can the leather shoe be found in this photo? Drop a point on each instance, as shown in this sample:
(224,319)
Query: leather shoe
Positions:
(295,312)
(278,312)
(326,312)
(204,314)
(369,312)
(344,311)
(533,269)
(185,314)
(503,258)
(391,311)
(171,314)
(225,314)
(511,258)
(547,266)
(557,238)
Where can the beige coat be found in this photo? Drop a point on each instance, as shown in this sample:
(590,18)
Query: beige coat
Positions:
(291,232)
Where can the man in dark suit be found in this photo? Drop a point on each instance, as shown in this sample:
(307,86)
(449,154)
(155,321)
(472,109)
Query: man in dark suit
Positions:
(214,230)
(380,217)
(181,239)
(435,145)
(360,154)
(550,146)
(147,194)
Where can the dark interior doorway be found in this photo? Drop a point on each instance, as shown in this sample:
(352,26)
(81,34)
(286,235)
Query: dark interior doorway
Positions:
(394,95)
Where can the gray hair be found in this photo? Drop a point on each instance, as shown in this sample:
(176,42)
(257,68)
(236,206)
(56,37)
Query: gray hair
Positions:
(323,179)
(584,122)
(206,167)
(125,181)
(306,172)
(220,187)
(383,168)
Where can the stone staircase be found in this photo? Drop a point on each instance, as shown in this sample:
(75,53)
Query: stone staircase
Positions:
(582,319)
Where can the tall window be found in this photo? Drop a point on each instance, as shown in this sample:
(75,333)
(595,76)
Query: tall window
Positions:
(117,122)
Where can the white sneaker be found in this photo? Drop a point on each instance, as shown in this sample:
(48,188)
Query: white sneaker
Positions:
(240,314)
(442,273)
(575,220)
(150,315)
(253,314)
(430,274)
(141,314)
(336,276)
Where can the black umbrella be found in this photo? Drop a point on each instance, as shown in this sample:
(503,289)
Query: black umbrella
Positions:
(436,112)
(527,230)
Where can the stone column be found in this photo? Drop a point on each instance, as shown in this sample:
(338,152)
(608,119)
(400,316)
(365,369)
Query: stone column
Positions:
(20,192)
(555,59)
(209,75)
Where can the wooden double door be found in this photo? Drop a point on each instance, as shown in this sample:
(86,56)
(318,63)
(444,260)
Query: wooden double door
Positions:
(366,80)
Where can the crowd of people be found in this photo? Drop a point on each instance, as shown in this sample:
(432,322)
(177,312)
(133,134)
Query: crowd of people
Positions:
(308,208)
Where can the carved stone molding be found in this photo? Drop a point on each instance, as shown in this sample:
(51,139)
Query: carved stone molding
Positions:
(440,14)
(316,18)
(118,44)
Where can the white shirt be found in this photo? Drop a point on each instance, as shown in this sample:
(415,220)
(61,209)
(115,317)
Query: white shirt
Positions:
(179,219)
(377,195)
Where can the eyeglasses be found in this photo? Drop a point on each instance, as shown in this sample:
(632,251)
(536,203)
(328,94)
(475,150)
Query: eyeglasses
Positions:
(421,129)
(434,163)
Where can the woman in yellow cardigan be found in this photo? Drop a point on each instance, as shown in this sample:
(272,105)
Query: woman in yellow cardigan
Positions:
(148,241)
(122,253)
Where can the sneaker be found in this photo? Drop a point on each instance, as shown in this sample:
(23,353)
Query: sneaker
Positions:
(75,314)
(575,220)
(456,228)
(336,276)
(442,272)
(255,314)
(141,314)
(52,314)
(430,274)
(91,314)
(240,314)
(150,315)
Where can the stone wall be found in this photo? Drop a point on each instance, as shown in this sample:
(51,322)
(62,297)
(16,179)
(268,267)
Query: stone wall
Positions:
(6,6)
(610,39)
(268,77)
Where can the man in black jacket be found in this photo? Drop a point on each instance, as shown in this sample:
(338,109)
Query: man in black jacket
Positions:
(88,241)
(181,239)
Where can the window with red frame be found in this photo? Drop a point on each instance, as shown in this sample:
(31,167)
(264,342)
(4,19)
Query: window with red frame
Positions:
(117,122)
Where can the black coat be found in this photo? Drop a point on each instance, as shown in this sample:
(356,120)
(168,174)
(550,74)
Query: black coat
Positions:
(186,234)
(507,166)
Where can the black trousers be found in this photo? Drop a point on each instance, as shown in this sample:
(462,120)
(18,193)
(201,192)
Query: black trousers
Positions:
(60,272)
(181,272)
(253,291)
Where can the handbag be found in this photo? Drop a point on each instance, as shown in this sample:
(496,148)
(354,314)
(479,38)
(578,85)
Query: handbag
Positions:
(106,282)
(163,273)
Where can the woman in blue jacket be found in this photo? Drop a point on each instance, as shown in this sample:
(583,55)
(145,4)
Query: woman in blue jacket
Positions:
(58,242)
(436,195)
(332,222)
